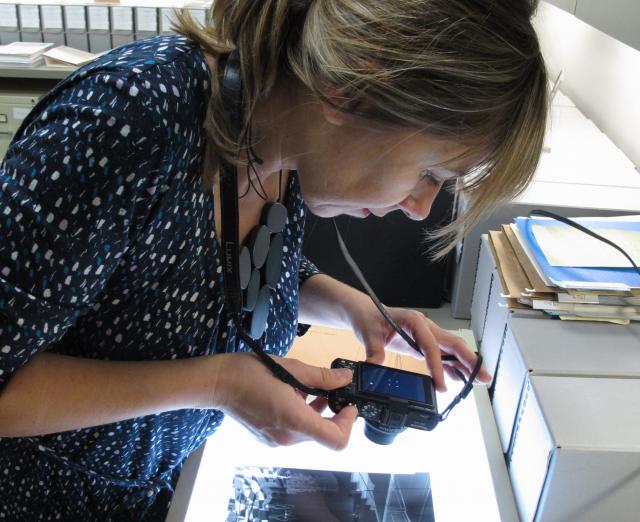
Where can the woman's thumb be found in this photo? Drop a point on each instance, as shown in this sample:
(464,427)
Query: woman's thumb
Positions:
(331,378)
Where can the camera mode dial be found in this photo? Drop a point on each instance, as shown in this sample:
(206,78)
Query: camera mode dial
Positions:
(369,410)
(342,397)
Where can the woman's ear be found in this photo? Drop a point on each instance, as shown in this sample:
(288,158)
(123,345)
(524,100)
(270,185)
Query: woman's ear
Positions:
(333,115)
(331,104)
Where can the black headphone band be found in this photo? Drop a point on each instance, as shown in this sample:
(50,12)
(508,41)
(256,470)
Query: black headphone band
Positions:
(231,91)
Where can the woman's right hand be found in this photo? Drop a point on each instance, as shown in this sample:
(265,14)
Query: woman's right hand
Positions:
(275,412)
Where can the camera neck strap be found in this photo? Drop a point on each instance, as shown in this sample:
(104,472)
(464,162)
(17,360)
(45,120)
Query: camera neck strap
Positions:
(468,384)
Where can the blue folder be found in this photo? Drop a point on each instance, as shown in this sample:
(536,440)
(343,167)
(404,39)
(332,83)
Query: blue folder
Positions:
(585,278)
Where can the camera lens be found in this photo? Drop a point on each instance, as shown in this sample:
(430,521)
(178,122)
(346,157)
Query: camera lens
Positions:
(379,433)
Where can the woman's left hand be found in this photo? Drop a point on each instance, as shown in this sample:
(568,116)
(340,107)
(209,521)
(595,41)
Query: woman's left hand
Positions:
(377,335)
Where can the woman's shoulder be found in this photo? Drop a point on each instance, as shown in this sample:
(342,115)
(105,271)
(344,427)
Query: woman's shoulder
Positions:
(166,75)
(161,55)
(150,83)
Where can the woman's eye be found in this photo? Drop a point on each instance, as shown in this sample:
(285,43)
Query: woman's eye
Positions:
(430,177)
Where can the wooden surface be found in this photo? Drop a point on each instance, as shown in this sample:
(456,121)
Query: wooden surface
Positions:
(320,346)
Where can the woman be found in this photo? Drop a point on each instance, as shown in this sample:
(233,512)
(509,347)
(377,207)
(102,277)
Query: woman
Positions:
(117,354)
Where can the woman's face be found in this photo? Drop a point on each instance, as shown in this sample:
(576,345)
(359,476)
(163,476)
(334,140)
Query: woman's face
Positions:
(353,169)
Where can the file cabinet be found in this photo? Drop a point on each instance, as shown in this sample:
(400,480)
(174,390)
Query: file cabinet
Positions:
(489,311)
(30,25)
(8,23)
(542,346)
(576,450)
(52,24)
(17,98)
(566,399)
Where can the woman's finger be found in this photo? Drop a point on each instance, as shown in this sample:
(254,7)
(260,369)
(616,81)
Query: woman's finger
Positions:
(456,345)
(319,404)
(317,377)
(450,371)
(431,350)
(374,345)
(333,432)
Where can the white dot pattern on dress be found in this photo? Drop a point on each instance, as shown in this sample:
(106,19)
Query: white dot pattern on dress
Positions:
(108,251)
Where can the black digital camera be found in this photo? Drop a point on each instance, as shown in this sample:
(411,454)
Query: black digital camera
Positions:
(390,400)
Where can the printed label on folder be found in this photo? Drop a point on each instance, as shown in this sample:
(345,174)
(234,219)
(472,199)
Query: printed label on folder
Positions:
(99,18)
(199,15)
(75,17)
(51,16)
(29,16)
(122,18)
(20,113)
(8,16)
(147,19)
(166,19)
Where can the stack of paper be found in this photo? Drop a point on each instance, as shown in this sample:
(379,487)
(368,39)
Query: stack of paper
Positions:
(23,54)
(547,265)
(63,56)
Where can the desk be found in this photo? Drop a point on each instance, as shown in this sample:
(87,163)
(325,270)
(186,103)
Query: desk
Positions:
(39,73)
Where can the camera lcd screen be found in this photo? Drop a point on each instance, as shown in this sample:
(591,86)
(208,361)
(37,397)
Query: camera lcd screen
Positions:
(392,383)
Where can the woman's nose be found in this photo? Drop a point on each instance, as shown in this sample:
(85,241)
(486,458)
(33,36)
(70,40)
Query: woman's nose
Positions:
(418,206)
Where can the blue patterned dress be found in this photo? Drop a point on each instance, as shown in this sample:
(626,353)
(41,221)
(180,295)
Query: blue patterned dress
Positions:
(108,251)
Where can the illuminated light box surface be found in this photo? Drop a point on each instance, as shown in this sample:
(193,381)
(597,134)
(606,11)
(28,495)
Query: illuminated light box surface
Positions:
(454,455)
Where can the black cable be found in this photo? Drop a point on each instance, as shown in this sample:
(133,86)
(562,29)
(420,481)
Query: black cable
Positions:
(574,224)
(248,184)
(252,161)
(231,89)
(468,386)
(264,196)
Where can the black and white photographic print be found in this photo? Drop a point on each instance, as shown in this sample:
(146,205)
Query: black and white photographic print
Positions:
(288,494)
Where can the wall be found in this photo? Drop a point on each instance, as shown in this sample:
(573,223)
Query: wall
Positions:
(601,75)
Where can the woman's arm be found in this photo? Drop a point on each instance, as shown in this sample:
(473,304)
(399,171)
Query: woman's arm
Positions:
(54,393)
(325,301)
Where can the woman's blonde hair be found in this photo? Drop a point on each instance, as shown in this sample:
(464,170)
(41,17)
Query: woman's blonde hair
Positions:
(465,70)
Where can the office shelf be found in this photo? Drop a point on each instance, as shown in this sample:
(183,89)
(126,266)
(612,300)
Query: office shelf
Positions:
(39,73)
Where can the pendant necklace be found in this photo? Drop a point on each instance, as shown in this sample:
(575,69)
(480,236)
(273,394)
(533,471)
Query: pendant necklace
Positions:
(261,264)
